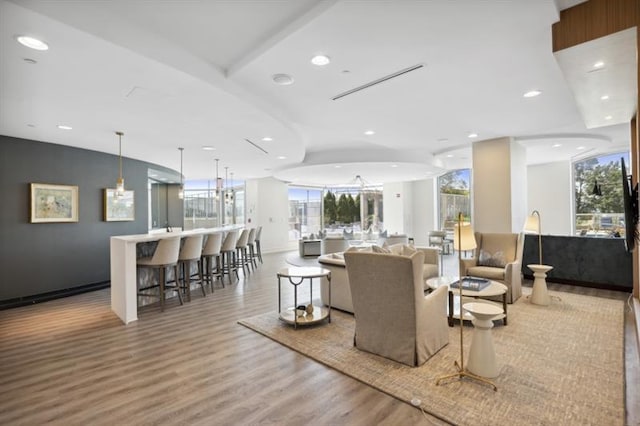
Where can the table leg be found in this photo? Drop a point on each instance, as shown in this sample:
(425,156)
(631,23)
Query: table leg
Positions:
(504,308)
(450,309)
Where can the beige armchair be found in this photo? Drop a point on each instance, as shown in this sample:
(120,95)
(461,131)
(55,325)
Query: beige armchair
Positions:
(498,257)
(393,317)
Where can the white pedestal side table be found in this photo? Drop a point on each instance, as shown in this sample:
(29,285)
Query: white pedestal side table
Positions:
(482,356)
(539,294)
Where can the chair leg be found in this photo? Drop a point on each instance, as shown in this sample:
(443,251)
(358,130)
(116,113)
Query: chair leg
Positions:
(259,250)
(162,280)
(178,286)
(200,276)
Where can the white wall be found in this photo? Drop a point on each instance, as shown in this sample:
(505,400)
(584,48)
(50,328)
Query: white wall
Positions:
(397,207)
(425,220)
(267,204)
(549,192)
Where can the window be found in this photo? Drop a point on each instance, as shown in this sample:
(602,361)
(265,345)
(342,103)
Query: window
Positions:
(204,209)
(454,197)
(305,212)
(598,195)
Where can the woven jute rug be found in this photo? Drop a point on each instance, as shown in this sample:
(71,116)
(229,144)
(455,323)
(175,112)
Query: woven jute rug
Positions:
(559,365)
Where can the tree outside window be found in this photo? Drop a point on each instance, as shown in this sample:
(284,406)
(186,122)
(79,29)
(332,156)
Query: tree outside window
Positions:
(598,195)
(455,197)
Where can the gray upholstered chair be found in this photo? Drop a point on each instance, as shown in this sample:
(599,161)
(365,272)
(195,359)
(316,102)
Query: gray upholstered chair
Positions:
(394,318)
(190,252)
(211,254)
(165,256)
(498,257)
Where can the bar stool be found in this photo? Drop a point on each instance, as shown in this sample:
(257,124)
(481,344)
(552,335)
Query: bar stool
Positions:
(210,252)
(228,255)
(251,245)
(242,254)
(190,252)
(258,250)
(165,255)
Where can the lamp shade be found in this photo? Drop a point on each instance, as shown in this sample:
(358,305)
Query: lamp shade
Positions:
(532,224)
(463,238)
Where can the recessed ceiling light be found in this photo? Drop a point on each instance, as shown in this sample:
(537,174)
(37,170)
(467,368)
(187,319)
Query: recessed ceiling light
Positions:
(473,135)
(604,97)
(32,43)
(580,148)
(208,148)
(267,139)
(369,132)
(153,175)
(337,166)
(449,155)
(64,127)
(345,71)
(608,117)
(556,145)
(282,157)
(282,79)
(394,165)
(320,60)
(532,93)
(598,64)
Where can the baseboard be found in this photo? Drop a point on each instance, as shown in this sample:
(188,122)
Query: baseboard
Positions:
(44,297)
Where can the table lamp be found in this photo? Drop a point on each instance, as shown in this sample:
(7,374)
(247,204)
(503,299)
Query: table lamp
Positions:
(532,225)
(463,239)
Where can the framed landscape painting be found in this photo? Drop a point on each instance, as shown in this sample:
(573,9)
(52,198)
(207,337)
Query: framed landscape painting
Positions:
(118,209)
(53,203)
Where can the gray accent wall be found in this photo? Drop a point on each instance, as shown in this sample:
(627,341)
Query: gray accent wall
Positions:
(42,258)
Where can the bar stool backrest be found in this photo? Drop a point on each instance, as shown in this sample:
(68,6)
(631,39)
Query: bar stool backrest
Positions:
(258,233)
(213,244)
(192,248)
(167,252)
(244,237)
(230,241)
(252,236)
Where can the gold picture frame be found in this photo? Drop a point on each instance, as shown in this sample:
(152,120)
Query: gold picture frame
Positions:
(53,203)
(119,209)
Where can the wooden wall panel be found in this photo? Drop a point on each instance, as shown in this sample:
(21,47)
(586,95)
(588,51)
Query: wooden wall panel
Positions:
(594,19)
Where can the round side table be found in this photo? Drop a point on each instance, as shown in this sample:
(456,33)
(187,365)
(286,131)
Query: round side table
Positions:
(539,294)
(295,276)
(482,356)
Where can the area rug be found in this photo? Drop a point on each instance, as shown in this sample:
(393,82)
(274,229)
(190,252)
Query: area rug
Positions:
(559,365)
(296,260)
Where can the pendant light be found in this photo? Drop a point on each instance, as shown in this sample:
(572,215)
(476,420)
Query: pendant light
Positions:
(232,192)
(120,181)
(227,198)
(181,190)
(218,182)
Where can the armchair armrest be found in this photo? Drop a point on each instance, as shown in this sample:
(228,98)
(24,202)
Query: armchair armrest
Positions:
(467,263)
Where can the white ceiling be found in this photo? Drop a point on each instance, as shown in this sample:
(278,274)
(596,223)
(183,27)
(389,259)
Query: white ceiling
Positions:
(198,73)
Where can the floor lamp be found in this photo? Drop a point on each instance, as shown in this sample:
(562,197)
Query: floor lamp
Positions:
(532,225)
(463,239)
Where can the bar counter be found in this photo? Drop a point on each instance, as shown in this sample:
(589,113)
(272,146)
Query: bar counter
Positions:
(123,254)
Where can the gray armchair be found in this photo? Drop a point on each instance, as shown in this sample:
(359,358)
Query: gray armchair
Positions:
(394,318)
(498,257)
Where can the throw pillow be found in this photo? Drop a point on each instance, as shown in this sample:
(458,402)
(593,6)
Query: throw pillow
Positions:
(378,249)
(408,250)
(396,249)
(495,260)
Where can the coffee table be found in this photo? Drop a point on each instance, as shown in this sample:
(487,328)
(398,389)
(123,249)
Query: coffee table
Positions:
(493,289)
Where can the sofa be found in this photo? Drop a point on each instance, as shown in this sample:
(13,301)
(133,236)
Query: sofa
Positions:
(498,257)
(340,289)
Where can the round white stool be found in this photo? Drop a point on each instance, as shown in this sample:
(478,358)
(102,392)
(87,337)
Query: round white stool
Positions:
(482,356)
(539,294)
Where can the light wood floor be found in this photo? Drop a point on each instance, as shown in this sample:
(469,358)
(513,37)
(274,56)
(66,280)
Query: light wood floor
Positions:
(72,362)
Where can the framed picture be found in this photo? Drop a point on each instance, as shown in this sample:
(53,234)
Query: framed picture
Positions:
(118,209)
(53,203)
